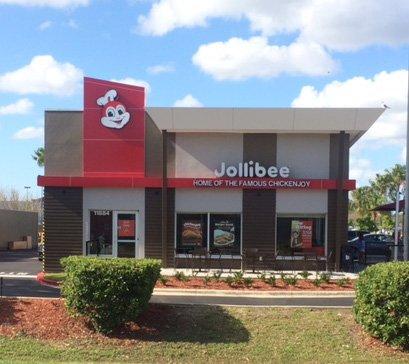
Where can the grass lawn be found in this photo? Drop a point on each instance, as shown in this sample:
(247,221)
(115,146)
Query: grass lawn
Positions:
(215,334)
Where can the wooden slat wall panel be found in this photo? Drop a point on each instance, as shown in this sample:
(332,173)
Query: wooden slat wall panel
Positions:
(62,225)
(337,225)
(153,223)
(259,220)
(259,207)
(171,228)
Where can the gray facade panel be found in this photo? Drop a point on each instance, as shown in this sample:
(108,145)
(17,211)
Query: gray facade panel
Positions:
(63,142)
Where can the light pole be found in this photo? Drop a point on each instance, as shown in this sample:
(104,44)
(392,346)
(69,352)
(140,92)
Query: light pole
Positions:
(27,188)
(406,220)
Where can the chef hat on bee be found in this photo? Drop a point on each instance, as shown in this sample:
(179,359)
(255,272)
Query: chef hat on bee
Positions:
(109,97)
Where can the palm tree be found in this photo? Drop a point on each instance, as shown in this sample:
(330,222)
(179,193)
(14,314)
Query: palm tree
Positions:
(38,156)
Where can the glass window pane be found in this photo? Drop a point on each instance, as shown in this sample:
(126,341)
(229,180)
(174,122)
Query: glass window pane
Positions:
(191,231)
(126,226)
(300,234)
(100,232)
(225,233)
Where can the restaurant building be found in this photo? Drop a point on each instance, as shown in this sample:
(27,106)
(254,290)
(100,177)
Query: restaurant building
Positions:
(125,180)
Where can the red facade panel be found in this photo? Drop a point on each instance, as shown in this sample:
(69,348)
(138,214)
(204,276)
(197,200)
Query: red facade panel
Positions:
(114,128)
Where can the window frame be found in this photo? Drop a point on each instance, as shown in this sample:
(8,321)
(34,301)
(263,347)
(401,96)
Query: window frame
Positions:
(212,256)
(302,216)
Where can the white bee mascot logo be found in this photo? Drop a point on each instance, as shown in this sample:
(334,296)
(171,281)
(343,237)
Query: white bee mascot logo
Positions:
(114,114)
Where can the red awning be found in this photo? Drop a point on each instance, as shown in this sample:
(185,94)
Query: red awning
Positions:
(390,206)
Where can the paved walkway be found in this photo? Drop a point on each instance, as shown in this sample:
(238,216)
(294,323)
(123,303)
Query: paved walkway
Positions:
(26,287)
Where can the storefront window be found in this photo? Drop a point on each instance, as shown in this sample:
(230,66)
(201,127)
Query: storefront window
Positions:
(191,232)
(299,234)
(100,232)
(225,233)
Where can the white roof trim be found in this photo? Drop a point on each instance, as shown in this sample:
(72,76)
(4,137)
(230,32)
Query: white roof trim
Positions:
(355,121)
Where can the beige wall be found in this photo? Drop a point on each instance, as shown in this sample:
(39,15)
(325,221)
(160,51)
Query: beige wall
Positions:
(302,202)
(196,200)
(63,142)
(16,224)
(198,155)
(307,155)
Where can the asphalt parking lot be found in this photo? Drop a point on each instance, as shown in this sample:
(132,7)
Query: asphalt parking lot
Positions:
(23,262)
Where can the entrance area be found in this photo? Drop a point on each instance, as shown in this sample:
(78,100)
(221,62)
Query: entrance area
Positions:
(113,234)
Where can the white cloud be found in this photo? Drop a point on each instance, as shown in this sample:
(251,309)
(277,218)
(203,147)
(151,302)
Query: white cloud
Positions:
(59,4)
(361,169)
(72,24)
(134,82)
(239,59)
(29,132)
(22,106)
(388,88)
(160,68)
(188,101)
(44,25)
(336,24)
(43,75)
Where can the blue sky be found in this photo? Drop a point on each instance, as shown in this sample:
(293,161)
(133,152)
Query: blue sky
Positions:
(259,53)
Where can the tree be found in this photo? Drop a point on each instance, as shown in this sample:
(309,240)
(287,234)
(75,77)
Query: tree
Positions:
(381,190)
(38,156)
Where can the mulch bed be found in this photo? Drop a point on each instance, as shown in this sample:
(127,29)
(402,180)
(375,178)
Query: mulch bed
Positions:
(258,285)
(48,319)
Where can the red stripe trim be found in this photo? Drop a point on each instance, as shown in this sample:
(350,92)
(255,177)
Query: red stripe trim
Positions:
(129,181)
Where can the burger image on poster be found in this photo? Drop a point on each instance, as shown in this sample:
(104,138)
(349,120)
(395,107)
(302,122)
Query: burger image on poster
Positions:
(114,114)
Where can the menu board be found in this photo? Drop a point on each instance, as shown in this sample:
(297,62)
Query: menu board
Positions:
(301,234)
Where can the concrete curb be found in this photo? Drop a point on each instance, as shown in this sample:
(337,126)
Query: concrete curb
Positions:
(243,293)
(45,282)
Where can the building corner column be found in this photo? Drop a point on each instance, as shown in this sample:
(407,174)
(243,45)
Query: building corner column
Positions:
(164,196)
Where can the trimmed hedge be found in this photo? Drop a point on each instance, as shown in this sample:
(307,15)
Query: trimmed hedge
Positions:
(382,302)
(109,292)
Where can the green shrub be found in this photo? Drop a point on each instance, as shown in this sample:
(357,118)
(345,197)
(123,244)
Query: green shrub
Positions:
(207,279)
(317,282)
(229,280)
(262,277)
(382,302)
(163,279)
(271,280)
(325,277)
(180,276)
(217,275)
(342,282)
(248,281)
(290,280)
(109,292)
(238,277)
(304,274)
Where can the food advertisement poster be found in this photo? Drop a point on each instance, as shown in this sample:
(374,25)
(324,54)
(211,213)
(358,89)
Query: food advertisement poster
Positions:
(126,228)
(301,234)
(192,233)
(224,233)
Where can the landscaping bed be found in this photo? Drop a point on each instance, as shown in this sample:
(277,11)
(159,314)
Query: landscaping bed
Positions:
(41,331)
(212,282)
(256,285)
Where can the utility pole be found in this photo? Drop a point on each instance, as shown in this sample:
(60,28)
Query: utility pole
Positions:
(406,220)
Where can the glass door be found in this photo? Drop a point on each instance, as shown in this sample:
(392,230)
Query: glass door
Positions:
(100,242)
(126,237)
